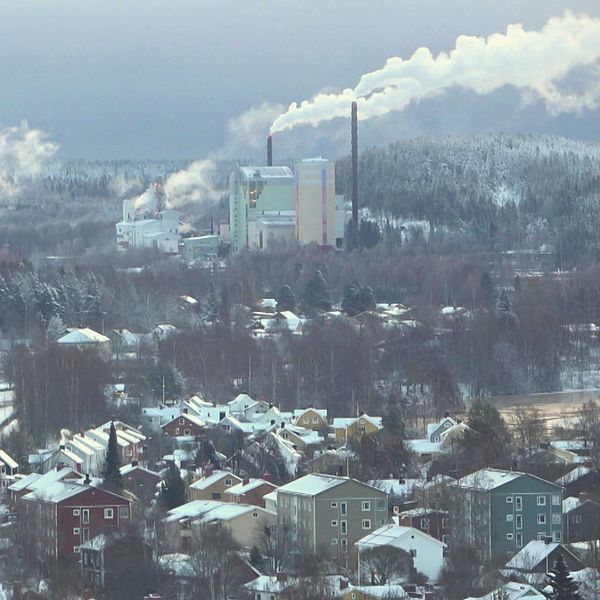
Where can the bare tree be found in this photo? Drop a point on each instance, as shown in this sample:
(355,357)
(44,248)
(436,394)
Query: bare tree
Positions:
(528,427)
(589,423)
(384,563)
(276,547)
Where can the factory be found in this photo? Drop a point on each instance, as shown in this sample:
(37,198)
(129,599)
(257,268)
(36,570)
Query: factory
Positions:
(147,224)
(275,204)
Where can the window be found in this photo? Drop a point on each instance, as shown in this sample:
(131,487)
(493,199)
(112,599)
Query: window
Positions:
(413,552)
(509,518)
(366,523)
(75,512)
(518,503)
(519,521)
(255,514)
(556,519)
(555,499)
(344,527)
(108,513)
(123,512)
(187,432)
(519,540)
(181,421)
(541,519)
(76,549)
(76,530)
(362,430)
(86,515)
(333,504)
(227,482)
(85,534)
(509,536)
(541,536)
(445,523)
(366,506)
(216,495)
(343,508)
(380,504)
(425,523)
(541,500)
(334,541)
(334,523)
(176,430)
(557,536)
(344,543)
(508,499)
(576,519)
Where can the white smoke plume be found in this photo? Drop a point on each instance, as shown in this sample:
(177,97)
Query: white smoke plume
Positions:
(23,154)
(537,63)
(193,184)
(248,131)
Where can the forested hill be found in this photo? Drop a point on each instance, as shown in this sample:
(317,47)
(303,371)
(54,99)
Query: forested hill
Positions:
(506,191)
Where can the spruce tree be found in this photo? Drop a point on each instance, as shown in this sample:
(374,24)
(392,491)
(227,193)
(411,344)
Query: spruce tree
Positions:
(172,489)
(285,299)
(112,472)
(504,305)
(563,586)
(316,294)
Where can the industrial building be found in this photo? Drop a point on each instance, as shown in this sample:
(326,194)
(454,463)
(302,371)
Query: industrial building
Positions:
(265,194)
(198,247)
(146,223)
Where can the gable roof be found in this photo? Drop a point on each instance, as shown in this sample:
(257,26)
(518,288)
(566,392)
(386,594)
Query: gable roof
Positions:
(388,534)
(239,489)
(345,422)
(84,335)
(317,483)
(490,479)
(8,460)
(206,482)
(210,510)
(300,412)
(574,475)
(24,482)
(533,553)
(189,417)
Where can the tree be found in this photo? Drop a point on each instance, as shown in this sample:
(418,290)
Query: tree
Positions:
(563,586)
(351,236)
(112,464)
(487,287)
(383,563)
(212,559)
(357,299)
(172,490)
(316,294)
(286,299)
(529,428)
(369,234)
(504,305)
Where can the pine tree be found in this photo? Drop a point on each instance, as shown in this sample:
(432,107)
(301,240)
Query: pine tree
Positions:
(504,305)
(369,234)
(563,586)
(112,473)
(285,299)
(316,293)
(172,489)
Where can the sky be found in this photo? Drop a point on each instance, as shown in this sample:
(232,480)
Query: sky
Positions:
(164,79)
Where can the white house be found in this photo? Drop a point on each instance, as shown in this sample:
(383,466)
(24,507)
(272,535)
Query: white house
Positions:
(427,552)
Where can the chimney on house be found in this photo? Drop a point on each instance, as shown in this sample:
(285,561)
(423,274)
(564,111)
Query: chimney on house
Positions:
(281,576)
(245,481)
(87,479)
(343,584)
(186,411)
(270,151)
(62,447)
(134,463)
(355,164)
(208,470)
(267,476)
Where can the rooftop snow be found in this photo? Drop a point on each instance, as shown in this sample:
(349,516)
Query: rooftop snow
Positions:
(243,488)
(83,336)
(206,482)
(388,534)
(267,172)
(488,479)
(313,484)
(531,555)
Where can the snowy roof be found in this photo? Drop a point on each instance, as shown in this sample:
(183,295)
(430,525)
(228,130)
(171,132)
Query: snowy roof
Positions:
(71,455)
(573,475)
(396,487)
(424,446)
(126,469)
(206,482)
(422,511)
(7,460)
(488,479)
(53,476)
(189,417)
(531,555)
(83,336)
(243,488)
(388,534)
(345,422)
(267,172)
(379,591)
(513,590)
(24,482)
(299,412)
(570,504)
(210,510)
(313,484)
(177,564)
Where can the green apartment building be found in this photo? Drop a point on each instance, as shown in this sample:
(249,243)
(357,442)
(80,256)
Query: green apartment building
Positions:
(498,512)
(261,203)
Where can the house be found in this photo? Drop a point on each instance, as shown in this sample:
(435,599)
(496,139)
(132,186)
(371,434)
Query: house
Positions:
(8,469)
(499,512)
(185,424)
(570,451)
(213,485)
(374,592)
(300,437)
(329,512)
(141,482)
(513,590)
(427,552)
(250,491)
(582,519)
(109,557)
(431,521)
(579,480)
(354,428)
(311,418)
(130,441)
(538,557)
(85,339)
(439,439)
(240,404)
(37,481)
(64,514)
(275,587)
(243,522)
(92,453)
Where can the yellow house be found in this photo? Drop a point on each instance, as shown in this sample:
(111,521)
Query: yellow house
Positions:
(354,428)
(213,486)
(311,418)
(374,592)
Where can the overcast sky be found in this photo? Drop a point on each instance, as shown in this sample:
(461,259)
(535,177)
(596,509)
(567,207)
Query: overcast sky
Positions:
(161,79)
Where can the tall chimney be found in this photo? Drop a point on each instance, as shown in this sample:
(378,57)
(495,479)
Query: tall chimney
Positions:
(355,164)
(270,151)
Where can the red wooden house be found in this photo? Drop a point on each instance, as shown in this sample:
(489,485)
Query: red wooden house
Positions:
(184,425)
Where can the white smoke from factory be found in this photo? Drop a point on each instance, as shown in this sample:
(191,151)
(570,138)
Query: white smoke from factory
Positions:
(24,152)
(248,130)
(193,184)
(537,63)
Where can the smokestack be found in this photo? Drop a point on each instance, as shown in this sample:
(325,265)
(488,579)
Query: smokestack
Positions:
(270,151)
(355,164)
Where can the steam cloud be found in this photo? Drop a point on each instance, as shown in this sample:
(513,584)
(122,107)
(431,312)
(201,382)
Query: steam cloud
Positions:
(193,184)
(23,154)
(537,63)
